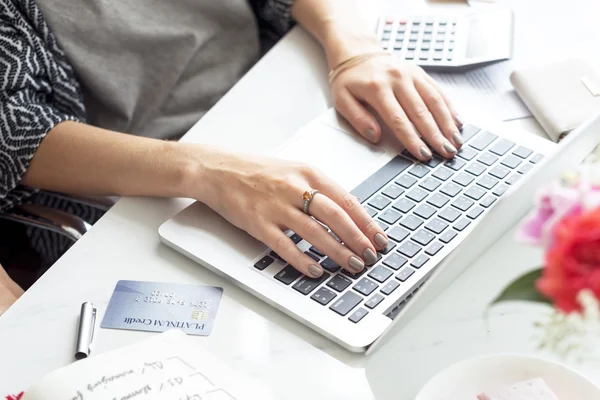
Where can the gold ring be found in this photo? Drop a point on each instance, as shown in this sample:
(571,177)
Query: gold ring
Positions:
(308,197)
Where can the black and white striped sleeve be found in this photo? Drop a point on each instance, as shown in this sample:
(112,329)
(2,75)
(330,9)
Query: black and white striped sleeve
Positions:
(38,90)
(274,15)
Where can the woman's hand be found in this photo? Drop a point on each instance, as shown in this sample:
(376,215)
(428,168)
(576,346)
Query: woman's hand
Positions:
(263,196)
(407,99)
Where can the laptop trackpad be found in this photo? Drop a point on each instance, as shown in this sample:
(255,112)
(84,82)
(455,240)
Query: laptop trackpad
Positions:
(344,157)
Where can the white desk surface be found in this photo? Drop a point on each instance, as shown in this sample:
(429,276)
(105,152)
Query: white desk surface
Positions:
(283,92)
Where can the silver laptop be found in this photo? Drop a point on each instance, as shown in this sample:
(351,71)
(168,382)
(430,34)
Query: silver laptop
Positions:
(439,215)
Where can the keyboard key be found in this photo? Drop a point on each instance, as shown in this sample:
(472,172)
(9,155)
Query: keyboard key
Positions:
(395,261)
(513,179)
(405,274)
(488,201)
(425,211)
(536,159)
(434,248)
(487,159)
(398,234)
(475,169)
(390,216)
(365,286)
(409,249)
(475,192)
(323,296)
(383,226)
(380,178)
(483,140)
(389,287)
(339,283)
(434,161)
(330,265)
(462,203)
(306,285)
(511,161)
(423,237)
(501,147)
(487,182)
(436,225)
(443,173)
(311,255)
(499,171)
(354,275)
(374,301)
(500,190)
(406,181)
(419,170)
(277,256)
(522,152)
(468,131)
(380,273)
(389,247)
(430,184)
(451,189)
(419,261)
(316,251)
(404,205)
(358,315)
(525,168)
(449,214)
(438,200)
(263,263)
(346,303)
(462,224)
(417,194)
(370,211)
(448,236)
(455,164)
(379,202)
(463,179)
(467,153)
(296,238)
(411,222)
(475,212)
(393,191)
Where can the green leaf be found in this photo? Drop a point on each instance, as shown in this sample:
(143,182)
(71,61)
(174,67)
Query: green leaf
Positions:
(523,288)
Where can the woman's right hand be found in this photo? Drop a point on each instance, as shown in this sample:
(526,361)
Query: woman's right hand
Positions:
(263,196)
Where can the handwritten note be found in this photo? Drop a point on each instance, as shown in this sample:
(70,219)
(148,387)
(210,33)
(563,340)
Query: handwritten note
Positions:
(168,366)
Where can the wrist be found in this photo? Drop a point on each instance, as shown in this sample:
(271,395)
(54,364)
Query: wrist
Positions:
(342,43)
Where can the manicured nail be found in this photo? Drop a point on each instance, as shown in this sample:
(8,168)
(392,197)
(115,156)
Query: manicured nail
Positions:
(458,138)
(356,264)
(370,134)
(459,121)
(370,257)
(315,271)
(449,148)
(380,240)
(425,152)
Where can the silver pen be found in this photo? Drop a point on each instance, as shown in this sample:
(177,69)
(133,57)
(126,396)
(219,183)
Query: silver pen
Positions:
(85,332)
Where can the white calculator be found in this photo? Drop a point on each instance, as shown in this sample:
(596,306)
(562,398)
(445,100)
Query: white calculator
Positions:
(442,42)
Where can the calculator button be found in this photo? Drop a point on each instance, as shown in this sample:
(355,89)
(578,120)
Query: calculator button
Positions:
(406,181)
(393,191)
(525,168)
(522,152)
(439,46)
(500,190)
(513,179)
(449,214)
(499,172)
(365,286)
(424,56)
(390,246)
(501,147)
(374,301)
(323,296)
(462,224)
(358,315)
(449,58)
(436,225)
(306,285)
(462,203)
(455,164)
(398,234)
(390,287)
(404,205)
(428,37)
(475,192)
(398,46)
(386,36)
(475,212)
(346,303)
(379,202)
(409,249)
(434,249)
(390,216)
(536,159)
(475,169)
(463,179)
(425,46)
(411,222)
(370,211)
(395,261)
(425,211)
(330,265)
(380,273)
(438,200)
(417,194)
(430,184)
(483,140)
(511,161)
(487,159)
(448,236)
(488,201)
(451,189)
(412,45)
(410,55)
(383,226)
(437,56)
(487,182)
(263,263)
(339,283)
(419,261)
(423,237)
(467,153)
(443,173)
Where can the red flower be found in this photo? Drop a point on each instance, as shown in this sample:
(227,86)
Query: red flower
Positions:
(573,261)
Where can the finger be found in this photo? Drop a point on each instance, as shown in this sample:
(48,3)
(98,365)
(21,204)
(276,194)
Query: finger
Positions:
(388,108)
(286,248)
(440,111)
(314,233)
(358,116)
(457,119)
(421,117)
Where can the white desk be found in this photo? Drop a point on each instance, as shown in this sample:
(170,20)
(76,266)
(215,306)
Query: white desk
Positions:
(282,93)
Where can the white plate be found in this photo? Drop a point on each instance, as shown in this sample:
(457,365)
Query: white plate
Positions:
(466,379)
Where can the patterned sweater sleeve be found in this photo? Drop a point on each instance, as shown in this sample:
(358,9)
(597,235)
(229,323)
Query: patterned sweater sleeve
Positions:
(274,16)
(38,90)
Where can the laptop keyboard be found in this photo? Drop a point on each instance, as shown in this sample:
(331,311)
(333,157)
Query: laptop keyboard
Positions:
(422,207)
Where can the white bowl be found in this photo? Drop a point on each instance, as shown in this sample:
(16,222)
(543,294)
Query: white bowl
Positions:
(465,379)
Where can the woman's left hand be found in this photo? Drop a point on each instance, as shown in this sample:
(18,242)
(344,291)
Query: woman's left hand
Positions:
(406,98)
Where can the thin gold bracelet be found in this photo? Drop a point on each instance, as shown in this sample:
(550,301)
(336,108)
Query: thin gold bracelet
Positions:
(353,61)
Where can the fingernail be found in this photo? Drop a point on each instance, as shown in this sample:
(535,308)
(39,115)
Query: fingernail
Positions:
(370,257)
(356,264)
(458,139)
(380,240)
(425,152)
(449,148)
(315,271)
(459,120)
(370,134)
